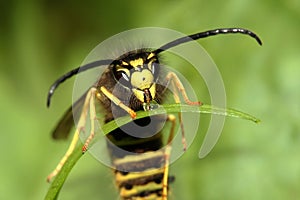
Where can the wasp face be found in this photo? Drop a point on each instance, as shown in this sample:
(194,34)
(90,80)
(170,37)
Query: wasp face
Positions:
(139,73)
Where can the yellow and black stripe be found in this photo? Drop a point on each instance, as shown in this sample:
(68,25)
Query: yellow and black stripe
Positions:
(137,154)
(131,83)
(147,181)
(139,165)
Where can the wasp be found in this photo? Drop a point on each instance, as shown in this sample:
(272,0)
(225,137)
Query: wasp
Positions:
(132,82)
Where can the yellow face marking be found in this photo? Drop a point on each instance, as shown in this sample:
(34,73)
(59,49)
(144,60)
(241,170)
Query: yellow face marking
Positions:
(137,62)
(150,56)
(142,80)
(124,63)
(140,94)
(120,68)
(150,64)
(124,70)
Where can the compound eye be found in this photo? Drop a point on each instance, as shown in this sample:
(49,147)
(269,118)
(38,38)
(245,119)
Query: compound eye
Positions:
(155,69)
(122,76)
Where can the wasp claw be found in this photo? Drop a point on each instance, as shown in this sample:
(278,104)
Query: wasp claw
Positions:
(84,149)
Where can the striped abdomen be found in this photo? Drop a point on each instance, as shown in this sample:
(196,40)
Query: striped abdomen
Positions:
(138,161)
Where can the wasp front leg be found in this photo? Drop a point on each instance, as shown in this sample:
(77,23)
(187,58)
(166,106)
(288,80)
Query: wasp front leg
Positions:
(174,82)
(93,117)
(177,86)
(118,102)
(89,102)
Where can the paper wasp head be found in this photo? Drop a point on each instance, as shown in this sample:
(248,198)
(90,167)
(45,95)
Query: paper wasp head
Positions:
(138,71)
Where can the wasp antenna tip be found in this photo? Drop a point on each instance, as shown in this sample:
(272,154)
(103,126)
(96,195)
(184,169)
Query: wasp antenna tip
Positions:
(48,100)
(259,41)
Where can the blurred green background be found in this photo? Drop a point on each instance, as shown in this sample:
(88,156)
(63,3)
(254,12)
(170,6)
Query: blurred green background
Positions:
(41,40)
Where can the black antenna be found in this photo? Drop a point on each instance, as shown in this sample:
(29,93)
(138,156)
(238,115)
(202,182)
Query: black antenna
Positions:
(74,72)
(206,34)
(157,51)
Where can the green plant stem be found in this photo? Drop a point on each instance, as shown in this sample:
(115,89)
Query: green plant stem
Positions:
(59,180)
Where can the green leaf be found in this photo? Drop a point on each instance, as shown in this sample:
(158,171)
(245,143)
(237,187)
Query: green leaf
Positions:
(59,180)
(175,108)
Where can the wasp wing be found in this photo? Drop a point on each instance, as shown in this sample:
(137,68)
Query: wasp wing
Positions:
(66,123)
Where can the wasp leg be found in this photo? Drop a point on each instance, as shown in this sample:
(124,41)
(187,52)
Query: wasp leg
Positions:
(93,117)
(168,149)
(172,77)
(177,87)
(118,102)
(79,128)
(177,100)
(93,112)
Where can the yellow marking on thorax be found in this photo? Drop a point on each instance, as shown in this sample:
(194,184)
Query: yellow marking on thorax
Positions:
(137,62)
